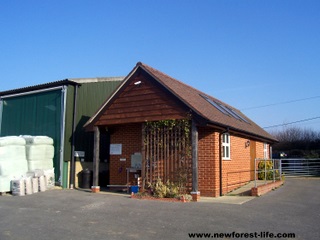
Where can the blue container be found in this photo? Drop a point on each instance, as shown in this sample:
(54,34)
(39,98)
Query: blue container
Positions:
(134,189)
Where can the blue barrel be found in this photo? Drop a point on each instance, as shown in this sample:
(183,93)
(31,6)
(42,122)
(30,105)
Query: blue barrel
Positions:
(134,189)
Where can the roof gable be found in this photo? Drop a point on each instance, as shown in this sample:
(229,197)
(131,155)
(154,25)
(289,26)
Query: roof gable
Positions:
(141,99)
(199,102)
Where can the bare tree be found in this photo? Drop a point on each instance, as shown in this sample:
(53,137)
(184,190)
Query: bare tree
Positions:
(297,142)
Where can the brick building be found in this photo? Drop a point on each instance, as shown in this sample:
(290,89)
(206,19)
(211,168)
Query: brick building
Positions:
(215,147)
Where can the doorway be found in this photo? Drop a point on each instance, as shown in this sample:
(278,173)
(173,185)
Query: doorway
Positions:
(253,156)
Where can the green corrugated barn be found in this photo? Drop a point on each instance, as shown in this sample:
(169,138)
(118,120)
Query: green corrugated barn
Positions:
(59,110)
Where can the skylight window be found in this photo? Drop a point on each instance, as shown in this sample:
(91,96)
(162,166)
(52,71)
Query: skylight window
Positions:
(224,109)
(218,106)
(239,116)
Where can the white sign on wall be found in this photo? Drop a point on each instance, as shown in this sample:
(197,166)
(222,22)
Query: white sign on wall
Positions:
(116,149)
(79,153)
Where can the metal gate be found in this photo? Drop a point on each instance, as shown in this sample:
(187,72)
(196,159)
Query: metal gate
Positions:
(301,167)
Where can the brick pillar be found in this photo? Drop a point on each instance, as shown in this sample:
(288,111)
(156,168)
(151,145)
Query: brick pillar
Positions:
(95,189)
(195,196)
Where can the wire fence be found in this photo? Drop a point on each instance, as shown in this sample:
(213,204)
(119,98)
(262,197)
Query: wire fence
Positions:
(269,170)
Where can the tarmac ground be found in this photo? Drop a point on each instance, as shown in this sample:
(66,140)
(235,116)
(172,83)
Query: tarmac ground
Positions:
(292,209)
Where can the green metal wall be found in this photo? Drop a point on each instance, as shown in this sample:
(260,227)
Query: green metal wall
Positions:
(34,114)
(42,113)
(90,97)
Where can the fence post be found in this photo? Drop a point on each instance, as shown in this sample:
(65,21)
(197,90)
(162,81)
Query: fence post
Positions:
(273,170)
(280,167)
(255,172)
(265,171)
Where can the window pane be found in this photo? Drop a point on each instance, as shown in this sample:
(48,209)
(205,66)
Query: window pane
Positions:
(227,152)
(226,146)
(225,138)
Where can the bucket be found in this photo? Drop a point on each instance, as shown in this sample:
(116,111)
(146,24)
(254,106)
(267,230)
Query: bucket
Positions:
(134,189)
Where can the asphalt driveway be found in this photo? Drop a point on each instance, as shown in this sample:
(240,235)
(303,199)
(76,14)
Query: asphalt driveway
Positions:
(72,214)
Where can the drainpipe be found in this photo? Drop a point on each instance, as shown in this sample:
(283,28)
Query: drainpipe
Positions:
(220,159)
(72,162)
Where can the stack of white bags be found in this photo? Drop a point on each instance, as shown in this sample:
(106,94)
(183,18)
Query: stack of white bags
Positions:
(26,164)
(39,152)
(13,161)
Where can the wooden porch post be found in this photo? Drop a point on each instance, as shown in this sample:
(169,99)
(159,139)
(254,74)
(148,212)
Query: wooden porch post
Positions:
(143,154)
(194,137)
(96,159)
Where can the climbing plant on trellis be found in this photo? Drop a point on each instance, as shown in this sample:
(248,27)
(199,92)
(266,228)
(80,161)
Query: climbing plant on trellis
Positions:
(167,151)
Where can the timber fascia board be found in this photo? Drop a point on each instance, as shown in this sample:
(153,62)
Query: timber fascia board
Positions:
(91,122)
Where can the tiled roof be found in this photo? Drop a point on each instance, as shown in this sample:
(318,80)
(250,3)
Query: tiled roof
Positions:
(195,99)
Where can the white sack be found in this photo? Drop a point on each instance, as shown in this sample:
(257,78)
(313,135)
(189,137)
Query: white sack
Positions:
(38,152)
(33,165)
(28,185)
(15,169)
(47,163)
(38,173)
(49,177)
(18,187)
(40,164)
(6,168)
(38,140)
(35,185)
(12,140)
(30,174)
(10,152)
(42,184)
(5,183)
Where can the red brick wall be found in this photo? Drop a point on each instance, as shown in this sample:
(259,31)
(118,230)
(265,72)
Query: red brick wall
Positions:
(208,162)
(236,171)
(262,189)
(129,135)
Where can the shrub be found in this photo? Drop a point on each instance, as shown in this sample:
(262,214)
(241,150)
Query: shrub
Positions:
(266,166)
(187,197)
(142,194)
(164,190)
(172,190)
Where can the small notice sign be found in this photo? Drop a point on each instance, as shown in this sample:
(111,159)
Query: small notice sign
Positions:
(116,149)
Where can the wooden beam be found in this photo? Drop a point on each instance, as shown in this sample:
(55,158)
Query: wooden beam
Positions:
(194,138)
(96,160)
(139,119)
(143,154)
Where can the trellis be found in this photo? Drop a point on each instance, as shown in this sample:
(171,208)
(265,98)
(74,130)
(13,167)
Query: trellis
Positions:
(167,151)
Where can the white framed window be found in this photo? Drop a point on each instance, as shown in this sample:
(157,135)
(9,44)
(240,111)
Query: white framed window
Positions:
(265,151)
(226,146)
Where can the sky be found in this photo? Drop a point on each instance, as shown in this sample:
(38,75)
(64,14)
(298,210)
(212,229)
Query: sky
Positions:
(262,57)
